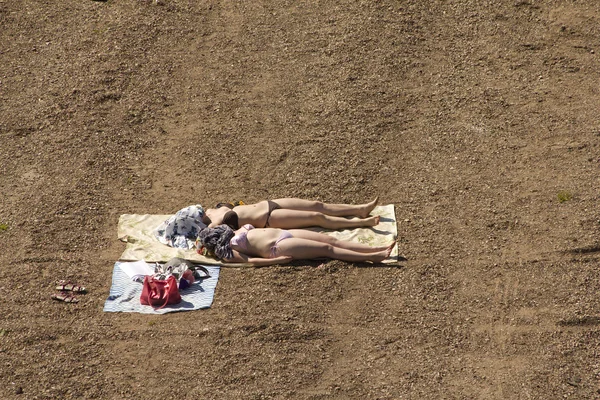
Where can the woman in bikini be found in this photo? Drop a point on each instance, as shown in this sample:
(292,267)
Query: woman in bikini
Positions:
(268,246)
(291,213)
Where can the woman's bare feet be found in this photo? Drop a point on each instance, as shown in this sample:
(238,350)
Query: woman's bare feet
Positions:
(372,221)
(366,209)
(382,255)
(390,248)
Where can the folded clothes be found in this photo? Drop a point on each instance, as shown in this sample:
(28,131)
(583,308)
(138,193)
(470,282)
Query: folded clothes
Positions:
(181,230)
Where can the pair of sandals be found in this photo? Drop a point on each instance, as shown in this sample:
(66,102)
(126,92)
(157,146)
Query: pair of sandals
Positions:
(68,291)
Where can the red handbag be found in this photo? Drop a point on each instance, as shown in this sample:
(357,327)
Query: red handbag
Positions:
(158,293)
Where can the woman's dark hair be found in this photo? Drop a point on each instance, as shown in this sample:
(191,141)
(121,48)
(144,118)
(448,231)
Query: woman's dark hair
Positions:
(216,240)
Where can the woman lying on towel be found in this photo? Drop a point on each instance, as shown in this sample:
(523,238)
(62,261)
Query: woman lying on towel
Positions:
(291,213)
(270,246)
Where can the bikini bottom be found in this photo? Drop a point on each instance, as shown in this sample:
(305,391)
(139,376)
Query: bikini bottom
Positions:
(272,206)
(284,235)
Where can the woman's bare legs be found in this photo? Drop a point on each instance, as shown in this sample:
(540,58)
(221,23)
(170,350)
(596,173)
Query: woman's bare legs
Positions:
(344,244)
(304,249)
(336,210)
(289,219)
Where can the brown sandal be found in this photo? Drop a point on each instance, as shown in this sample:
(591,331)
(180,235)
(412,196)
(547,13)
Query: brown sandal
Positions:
(70,287)
(65,297)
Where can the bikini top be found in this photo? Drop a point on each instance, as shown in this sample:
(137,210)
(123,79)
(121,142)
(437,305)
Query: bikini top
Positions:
(231,219)
(241,239)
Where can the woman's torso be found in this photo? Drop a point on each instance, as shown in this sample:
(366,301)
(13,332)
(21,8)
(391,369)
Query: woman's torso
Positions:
(253,214)
(258,242)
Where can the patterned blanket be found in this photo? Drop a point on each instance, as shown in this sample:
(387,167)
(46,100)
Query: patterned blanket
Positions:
(125,294)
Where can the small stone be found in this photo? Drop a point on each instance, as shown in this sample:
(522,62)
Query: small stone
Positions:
(19,390)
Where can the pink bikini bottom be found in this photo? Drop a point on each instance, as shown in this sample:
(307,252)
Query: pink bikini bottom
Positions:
(284,235)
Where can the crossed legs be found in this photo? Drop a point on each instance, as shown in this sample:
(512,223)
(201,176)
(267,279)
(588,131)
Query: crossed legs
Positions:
(308,245)
(286,218)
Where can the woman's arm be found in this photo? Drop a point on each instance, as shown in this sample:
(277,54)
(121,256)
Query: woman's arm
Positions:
(258,261)
(261,262)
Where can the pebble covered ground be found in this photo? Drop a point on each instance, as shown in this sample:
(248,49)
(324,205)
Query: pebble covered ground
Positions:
(477,119)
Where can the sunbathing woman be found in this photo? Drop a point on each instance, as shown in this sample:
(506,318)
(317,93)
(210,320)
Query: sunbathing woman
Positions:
(292,213)
(270,246)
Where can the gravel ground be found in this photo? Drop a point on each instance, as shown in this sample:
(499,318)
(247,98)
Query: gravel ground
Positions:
(478,120)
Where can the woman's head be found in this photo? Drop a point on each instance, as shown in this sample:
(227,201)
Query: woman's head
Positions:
(214,215)
(216,240)
(206,219)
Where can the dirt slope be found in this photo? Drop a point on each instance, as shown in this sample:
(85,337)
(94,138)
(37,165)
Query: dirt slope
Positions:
(477,119)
